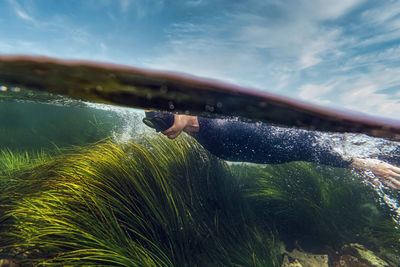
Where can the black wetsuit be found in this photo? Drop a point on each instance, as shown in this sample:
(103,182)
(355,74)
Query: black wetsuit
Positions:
(235,140)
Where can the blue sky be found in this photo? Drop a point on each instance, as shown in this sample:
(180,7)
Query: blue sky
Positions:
(342,54)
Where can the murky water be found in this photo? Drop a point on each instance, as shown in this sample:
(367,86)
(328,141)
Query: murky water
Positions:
(235,214)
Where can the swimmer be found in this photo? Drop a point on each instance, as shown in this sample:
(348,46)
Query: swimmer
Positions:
(234,140)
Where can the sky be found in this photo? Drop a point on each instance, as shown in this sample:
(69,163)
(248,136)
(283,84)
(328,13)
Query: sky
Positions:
(341,54)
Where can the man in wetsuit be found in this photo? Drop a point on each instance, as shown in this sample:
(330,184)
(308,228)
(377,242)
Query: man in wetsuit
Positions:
(234,140)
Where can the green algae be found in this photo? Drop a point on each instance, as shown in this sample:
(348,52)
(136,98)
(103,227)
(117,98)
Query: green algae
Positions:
(157,202)
(314,207)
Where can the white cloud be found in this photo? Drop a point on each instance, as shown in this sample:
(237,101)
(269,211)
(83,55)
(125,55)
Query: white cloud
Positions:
(141,7)
(103,47)
(313,52)
(194,2)
(383,14)
(299,37)
(377,25)
(246,43)
(124,4)
(377,38)
(310,92)
(204,57)
(371,92)
(79,35)
(389,58)
(330,9)
(23,47)
(22,14)
(367,98)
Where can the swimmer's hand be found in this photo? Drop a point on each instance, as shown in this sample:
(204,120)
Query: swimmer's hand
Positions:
(184,123)
(388,174)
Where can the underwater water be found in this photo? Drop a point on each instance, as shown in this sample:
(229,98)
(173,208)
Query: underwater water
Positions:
(89,184)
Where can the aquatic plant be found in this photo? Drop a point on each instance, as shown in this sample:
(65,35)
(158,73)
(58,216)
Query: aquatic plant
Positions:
(315,206)
(11,161)
(157,202)
(153,203)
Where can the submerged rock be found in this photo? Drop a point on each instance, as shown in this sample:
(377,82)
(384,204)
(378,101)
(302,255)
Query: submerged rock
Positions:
(352,255)
(298,258)
(288,263)
(357,255)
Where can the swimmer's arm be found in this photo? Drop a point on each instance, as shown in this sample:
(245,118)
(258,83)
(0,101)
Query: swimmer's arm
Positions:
(385,172)
(388,174)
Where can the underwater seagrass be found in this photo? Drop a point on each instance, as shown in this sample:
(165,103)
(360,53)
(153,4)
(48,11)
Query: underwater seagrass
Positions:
(157,203)
(317,206)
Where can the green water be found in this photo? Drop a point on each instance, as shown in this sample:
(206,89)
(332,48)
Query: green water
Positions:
(27,126)
(89,186)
